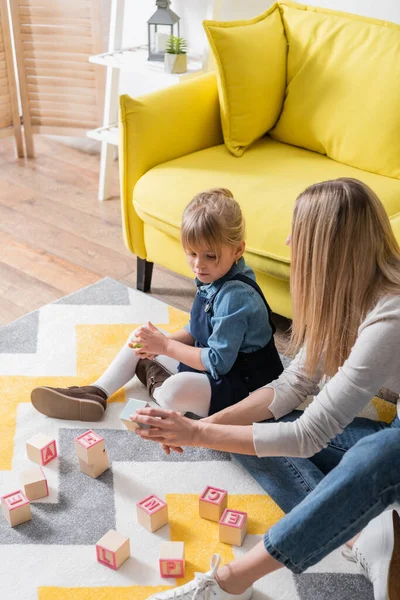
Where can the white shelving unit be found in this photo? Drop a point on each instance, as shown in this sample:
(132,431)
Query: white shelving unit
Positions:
(134,60)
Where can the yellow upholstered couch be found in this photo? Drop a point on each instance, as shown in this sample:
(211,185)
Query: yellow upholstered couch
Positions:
(299,95)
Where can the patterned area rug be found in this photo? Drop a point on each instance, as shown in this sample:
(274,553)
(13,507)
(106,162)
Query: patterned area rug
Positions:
(52,557)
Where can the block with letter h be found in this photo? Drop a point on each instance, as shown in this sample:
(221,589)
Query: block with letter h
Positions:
(92,455)
(152,512)
(212,503)
(113,549)
(172,559)
(41,449)
(233,527)
(16,508)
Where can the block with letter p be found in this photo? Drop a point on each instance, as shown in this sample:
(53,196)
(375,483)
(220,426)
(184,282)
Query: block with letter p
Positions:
(233,527)
(89,447)
(152,512)
(41,448)
(172,559)
(212,503)
(16,508)
(113,549)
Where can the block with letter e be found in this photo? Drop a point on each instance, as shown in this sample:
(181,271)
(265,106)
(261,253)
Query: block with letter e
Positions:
(113,549)
(89,447)
(233,527)
(41,448)
(152,512)
(212,503)
(16,508)
(172,559)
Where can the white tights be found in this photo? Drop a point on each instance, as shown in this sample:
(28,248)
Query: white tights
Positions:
(183,392)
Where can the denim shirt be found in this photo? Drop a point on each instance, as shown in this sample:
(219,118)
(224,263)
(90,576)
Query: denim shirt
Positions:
(240,320)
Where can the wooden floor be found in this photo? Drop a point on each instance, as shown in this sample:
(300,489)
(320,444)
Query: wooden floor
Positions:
(56,237)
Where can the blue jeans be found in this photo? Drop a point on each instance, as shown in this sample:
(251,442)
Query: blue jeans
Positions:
(332,496)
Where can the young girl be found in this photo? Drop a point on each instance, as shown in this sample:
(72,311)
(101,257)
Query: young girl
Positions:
(227,350)
(333,472)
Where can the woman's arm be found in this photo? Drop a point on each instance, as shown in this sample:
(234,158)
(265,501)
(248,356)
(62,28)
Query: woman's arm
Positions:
(253,409)
(174,430)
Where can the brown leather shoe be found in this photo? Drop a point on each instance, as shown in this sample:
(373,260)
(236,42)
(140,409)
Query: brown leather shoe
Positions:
(151,374)
(85,403)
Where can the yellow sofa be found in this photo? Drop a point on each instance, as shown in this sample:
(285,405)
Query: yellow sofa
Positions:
(337,115)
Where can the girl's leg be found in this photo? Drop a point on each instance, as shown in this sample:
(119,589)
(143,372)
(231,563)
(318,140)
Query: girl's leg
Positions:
(119,372)
(185,392)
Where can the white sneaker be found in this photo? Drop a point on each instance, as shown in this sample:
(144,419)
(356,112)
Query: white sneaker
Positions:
(203,587)
(377,551)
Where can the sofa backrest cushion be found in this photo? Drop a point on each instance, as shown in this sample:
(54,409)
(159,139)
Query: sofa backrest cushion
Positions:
(250,58)
(343,88)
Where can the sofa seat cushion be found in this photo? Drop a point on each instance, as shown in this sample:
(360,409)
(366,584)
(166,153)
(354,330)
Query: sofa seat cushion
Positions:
(266,182)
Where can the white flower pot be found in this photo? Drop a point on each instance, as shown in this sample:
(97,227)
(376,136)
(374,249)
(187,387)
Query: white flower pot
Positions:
(175,63)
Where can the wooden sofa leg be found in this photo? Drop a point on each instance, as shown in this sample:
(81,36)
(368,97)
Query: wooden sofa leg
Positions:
(144,273)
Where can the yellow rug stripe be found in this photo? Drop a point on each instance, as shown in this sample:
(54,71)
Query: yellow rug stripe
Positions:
(101,593)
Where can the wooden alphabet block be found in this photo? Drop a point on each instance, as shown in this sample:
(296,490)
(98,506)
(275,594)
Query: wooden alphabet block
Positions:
(96,469)
(233,527)
(172,559)
(41,449)
(34,483)
(152,513)
(212,503)
(89,447)
(16,508)
(130,408)
(113,549)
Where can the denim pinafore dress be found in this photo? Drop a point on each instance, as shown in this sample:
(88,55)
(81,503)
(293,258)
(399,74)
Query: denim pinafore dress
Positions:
(250,371)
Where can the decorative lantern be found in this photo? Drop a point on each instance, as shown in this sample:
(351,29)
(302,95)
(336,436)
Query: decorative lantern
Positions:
(160,27)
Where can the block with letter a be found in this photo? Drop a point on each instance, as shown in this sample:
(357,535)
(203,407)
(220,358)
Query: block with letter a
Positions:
(89,447)
(41,449)
(172,559)
(152,512)
(113,549)
(233,527)
(16,508)
(212,503)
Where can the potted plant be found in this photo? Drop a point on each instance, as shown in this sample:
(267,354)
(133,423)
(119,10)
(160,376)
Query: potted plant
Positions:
(175,60)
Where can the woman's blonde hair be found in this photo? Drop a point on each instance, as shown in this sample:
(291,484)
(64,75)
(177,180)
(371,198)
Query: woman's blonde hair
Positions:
(344,257)
(213,218)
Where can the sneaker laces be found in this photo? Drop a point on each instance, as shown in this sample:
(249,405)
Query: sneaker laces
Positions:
(355,556)
(201,587)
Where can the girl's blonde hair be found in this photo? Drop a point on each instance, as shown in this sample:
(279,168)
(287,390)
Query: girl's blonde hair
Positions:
(213,218)
(344,257)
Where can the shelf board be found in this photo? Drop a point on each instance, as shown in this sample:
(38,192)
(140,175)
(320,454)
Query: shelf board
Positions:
(105,134)
(135,60)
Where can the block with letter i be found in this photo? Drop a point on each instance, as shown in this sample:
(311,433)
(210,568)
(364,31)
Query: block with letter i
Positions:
(34,483)
(172,559)
(233,527)
(41,449)
(152,513)
(113,549)
(92,455)
(16,508)
(212,503)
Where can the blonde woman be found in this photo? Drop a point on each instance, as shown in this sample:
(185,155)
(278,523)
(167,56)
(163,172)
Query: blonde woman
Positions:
(226,351)
(340,472)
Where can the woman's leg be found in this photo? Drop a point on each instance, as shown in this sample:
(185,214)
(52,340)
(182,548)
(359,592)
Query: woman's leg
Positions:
(289,480)
(185,392)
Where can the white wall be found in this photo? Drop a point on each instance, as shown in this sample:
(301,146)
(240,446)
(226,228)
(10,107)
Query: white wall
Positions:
(193,12)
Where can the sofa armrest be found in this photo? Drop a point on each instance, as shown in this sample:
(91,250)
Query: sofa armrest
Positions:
(159,127)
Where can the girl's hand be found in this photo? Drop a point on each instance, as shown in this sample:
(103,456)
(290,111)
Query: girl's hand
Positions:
(152,341)
(168,427)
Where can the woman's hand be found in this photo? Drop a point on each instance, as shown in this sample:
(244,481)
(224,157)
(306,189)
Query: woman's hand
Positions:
(169,449)
(169,428)
(151,341)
